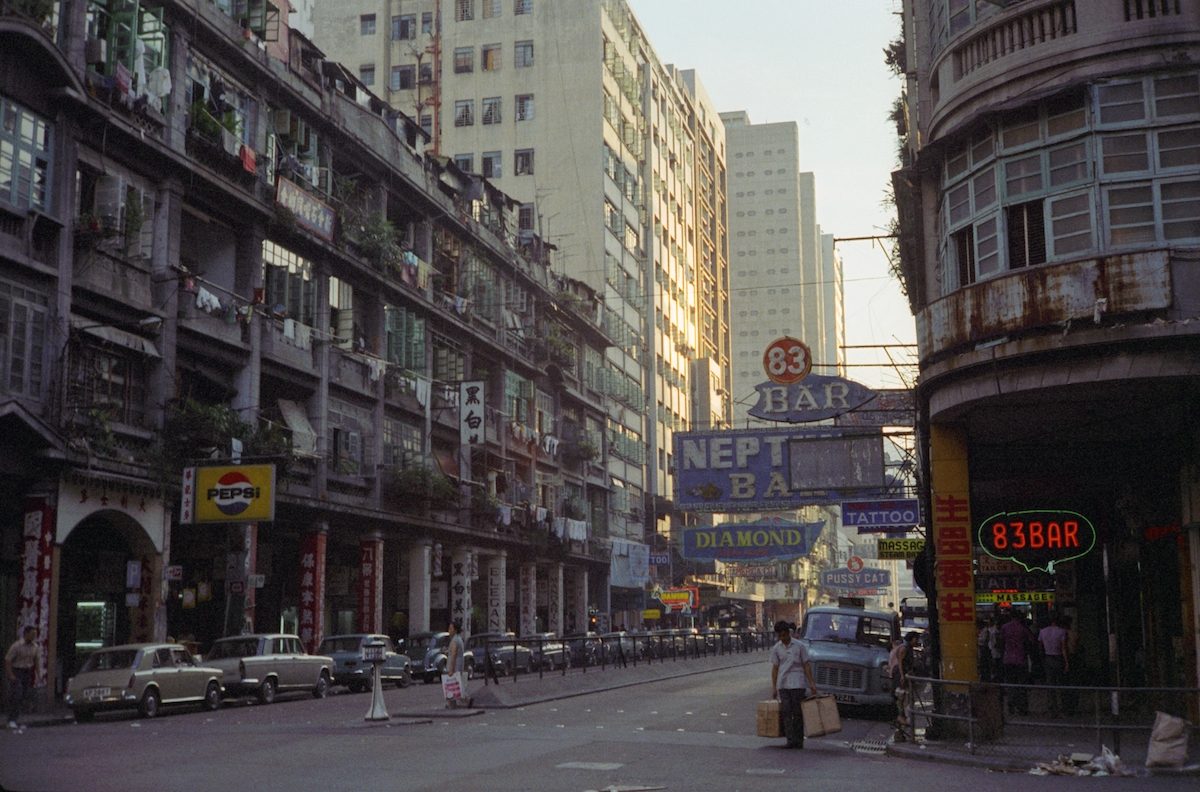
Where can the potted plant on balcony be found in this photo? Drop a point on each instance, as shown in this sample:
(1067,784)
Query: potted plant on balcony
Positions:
(560,351)
(420,487)
(582,450)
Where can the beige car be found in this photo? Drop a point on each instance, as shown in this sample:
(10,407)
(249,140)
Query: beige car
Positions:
(262,665)
(144,677)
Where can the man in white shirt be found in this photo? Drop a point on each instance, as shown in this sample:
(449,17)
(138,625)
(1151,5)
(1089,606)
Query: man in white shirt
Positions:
(789,669)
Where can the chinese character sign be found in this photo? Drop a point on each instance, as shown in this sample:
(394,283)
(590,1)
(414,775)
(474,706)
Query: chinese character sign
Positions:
(37,559)
(312,589)
(370,585)
(311,212)
(471,417)
(953,554)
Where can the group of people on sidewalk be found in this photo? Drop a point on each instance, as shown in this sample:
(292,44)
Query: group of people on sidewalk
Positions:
(1011,653)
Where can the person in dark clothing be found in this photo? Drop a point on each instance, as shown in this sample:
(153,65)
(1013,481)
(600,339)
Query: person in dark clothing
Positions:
(1018,643)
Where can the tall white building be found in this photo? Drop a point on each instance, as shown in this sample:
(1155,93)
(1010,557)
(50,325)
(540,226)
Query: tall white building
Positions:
(616,158)
(785,277)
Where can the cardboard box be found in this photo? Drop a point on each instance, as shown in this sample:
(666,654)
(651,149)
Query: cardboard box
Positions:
(769,723)
(820,716)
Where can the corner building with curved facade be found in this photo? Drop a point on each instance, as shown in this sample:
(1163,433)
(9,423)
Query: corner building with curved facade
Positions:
(1049,205)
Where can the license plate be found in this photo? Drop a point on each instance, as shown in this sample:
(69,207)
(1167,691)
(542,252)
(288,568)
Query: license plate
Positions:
(845,698)
(97,693)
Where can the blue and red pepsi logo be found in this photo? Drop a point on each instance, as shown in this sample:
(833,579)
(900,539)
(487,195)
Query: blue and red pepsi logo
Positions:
(233,494)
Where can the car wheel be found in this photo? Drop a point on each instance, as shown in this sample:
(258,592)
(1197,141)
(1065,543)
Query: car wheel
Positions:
(212,697)
(405,680)
(266,691)
(321,689)
(356,687)
(148,706)
(84,716)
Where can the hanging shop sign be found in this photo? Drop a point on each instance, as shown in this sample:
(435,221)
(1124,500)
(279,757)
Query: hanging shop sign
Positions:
(772,470)
(1037,538)
(762,540)
(224,494)
(471,417)
(684,599)
(899,549)
(310,211)
(816,398)
(890,407)
(1014,596)
(881,516)
(787,360)
(866,578)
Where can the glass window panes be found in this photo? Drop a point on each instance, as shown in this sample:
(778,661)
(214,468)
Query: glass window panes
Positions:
(1021,130)
(524,107)
(959,203)
(956,164)
(1068,164)
(1023,175)
(1130,214)
(489,57)
(491,162)
(1177,95)
(1121,102)
(1124,153)
(464,60)
(24,156)
(987,246)
(366,24)
(984,187)
(1071,224)
(1181,209)
(523,54)
(491,110)
(464,112)
(1179,148)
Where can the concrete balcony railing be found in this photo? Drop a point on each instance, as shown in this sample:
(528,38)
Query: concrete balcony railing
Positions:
(290,344)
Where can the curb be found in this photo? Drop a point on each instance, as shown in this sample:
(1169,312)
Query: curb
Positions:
(998,764)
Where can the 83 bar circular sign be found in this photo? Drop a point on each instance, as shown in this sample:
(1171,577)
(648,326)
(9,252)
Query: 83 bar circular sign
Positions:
(787,360)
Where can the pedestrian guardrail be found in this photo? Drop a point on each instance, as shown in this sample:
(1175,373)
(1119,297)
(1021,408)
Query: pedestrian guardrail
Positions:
(515,658)
(998,719)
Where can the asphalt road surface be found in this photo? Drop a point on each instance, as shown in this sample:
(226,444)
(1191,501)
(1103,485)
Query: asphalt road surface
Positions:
(693,733)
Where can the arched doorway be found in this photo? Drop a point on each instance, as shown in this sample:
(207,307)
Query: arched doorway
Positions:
(106,587)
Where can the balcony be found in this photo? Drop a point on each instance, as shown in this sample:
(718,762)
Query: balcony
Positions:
(106,270)
(356,372)
(220,324)
(289,342)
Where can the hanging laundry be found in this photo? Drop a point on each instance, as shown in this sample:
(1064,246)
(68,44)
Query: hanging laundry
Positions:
(577,530)
(540,514)
(376,367)
(303,336)
(505,514)
(289,329)
(422,392)
(248,157)
(207,301)
(230,142)
(559,528)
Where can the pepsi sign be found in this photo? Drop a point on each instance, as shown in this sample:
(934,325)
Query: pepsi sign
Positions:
(240,493)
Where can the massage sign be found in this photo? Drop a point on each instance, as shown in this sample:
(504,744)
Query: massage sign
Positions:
(1037,539)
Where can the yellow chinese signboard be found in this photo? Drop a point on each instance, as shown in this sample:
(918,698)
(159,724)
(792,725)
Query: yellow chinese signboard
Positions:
(900,549)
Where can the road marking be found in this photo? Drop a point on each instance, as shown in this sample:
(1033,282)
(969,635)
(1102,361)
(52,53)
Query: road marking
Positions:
(590,766)
(687,713)
(765,771)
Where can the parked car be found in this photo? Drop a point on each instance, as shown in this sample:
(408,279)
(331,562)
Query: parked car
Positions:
(549,652)
(508,656)
(620,643)
(351,670)
(266,664)
(142,677)
(430,647)
(588,649)
(848,647)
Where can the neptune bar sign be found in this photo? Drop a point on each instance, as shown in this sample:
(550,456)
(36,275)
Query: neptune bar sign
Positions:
(765,540)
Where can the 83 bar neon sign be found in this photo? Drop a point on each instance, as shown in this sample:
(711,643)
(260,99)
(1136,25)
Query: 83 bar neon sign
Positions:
(1037,538)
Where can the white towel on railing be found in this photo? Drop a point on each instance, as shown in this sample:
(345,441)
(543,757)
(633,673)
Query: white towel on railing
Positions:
(577,530)
(559,527)
(206,300)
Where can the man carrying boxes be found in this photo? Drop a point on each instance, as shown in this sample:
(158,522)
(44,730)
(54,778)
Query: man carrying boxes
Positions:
(789,669)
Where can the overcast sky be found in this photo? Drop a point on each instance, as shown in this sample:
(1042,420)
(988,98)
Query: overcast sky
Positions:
(821,65)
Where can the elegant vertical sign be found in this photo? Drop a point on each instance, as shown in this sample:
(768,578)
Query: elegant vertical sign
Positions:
(495,596)
(953,557)
(471,418)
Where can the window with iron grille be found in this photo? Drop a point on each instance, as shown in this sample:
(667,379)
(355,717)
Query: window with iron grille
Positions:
(522,7)
(366,25)
(465,162)
(367,74)
(291,290)
(489,57)
(449,363)
(402,445)
(404,27)
(491,8)
(526,217)
(403,78)
(464,112)
(405,338)
(491,110)
(464,60)
(522,162)
(523,54)
(464,10)
(524,107)
(109,383)
(491,162)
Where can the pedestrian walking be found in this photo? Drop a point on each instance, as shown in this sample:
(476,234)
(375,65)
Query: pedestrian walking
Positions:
(20,664)
(1018,642)
(789,670)
(454,664)
(899,666)
(1053,638)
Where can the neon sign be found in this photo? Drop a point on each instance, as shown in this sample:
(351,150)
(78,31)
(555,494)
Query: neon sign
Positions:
(1037,538)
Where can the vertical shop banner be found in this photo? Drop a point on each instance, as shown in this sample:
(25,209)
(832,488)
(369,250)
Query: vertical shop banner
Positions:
(495,596)
(312,589)
(471,417)
(953,555)
(460,588)
(370,585)
(37,568)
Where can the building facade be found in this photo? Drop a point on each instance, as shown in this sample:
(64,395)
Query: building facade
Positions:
(616,158)
(1049,208)
(217,248)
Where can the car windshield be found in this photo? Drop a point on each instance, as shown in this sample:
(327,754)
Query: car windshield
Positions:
(848,628)
(110,661)
(344,644)
(239,647)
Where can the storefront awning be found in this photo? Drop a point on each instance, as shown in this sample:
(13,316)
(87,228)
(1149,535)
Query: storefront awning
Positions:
(114,335)
(304,438)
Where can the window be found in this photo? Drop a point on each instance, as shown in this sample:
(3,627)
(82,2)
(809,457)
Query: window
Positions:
(489,57)
(1071,224)
(366,25)
(1177,95)
(1026,234)
(402,446)
(22,339)
(524,107)
(1121,102)
(1130,214)
(523,54)
(403,78)
(987,247)
(367,74)
(111,382)
(24,156)
(522,7)
(522,162)
(1124,153)
(464,60)
(425,73)
(1179,148)
(290,288)
(491,9)
(404,27)
(1023,175)
(1181,209)
(525,217)
(465,162)
(464,112)
(405,338)
(464,10)
(427,123)
(491,110)
(427,23)
(491,165)
(1068,164)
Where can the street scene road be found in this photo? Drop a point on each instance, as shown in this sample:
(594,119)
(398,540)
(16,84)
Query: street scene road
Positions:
(694,732)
